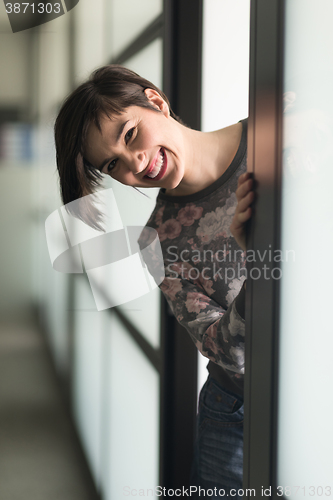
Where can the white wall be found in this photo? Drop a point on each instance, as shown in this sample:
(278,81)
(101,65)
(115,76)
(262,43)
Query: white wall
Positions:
(15,241)
(14,60)
(225,71)
(14,85)
(15,181)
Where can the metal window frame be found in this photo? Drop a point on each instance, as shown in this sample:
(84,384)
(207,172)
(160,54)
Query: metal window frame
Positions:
(150,33)
(262,301)
(182,84)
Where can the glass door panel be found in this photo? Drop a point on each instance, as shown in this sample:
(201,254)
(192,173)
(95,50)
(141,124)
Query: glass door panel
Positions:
(305,435)
(131,443)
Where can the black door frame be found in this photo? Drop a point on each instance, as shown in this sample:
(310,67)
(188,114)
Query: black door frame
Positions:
(262,301)
(182,84)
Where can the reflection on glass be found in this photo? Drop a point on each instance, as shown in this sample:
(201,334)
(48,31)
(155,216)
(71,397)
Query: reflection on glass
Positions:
(304,429)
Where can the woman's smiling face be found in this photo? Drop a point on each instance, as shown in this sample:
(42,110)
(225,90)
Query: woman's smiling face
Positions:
(141,147)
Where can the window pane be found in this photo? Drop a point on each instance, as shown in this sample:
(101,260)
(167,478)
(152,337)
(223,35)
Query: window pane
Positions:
(144,313)
(305,431)
(87,373)
(130,453)
(148,62)
(128,19)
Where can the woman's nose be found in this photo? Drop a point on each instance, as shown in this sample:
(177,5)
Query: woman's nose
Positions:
(138,162)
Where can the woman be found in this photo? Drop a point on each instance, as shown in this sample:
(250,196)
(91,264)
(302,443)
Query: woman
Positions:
(121,125)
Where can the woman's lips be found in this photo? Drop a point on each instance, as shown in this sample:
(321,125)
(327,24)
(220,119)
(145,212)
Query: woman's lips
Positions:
(152,165)
(163,168)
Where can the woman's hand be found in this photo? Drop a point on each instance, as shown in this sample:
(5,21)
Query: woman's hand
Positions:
(245,196)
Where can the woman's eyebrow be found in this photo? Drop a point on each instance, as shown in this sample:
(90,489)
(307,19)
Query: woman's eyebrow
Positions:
(120,131)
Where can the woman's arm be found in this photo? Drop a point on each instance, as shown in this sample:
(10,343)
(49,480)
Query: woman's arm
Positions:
(217,333)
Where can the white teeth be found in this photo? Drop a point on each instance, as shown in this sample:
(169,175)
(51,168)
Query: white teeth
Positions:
(157,167)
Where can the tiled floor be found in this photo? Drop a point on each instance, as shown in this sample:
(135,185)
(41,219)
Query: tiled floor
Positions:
(40,458)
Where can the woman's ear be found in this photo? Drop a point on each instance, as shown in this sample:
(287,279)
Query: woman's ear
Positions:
(157,101)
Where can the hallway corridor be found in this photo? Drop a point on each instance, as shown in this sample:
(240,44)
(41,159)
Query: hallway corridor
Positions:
(40,457)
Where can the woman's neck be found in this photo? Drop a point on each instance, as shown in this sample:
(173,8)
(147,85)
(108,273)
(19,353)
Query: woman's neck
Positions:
(208,156)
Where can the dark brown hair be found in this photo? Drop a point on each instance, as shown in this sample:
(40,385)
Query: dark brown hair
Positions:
(109,91)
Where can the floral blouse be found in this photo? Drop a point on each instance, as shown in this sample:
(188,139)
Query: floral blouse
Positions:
(204,266)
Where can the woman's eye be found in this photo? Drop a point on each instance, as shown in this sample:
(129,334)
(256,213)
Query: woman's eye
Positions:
(129,134)
(111,165)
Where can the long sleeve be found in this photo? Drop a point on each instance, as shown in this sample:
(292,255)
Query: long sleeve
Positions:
(203,268)
(217,333)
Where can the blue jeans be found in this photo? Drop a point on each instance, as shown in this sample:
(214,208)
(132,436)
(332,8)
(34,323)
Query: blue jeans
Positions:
(218,452)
